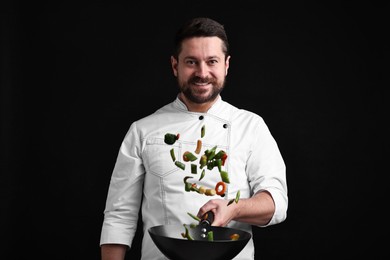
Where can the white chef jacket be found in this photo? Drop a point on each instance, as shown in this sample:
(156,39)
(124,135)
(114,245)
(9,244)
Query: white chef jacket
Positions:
(145,171)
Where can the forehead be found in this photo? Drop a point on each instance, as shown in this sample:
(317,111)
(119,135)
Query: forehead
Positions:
(202,47)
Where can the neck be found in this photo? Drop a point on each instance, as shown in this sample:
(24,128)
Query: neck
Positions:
(196,107)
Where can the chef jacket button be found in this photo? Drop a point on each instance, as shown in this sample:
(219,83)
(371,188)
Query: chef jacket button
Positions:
(225,126)
(201,117)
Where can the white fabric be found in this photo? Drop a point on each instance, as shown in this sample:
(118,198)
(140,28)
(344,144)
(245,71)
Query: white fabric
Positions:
(145,170)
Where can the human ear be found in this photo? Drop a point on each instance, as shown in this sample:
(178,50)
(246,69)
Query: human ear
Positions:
(174,65)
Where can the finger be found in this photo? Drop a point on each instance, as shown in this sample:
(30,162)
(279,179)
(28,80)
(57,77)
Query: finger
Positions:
(209,206)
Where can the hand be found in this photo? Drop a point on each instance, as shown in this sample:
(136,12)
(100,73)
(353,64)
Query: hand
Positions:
(257,210)
(223,214)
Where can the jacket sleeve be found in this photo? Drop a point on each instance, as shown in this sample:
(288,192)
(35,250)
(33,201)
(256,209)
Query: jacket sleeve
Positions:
(124,193)
(267,171)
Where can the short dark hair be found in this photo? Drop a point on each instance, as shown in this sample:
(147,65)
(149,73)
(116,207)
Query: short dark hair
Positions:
(200,27)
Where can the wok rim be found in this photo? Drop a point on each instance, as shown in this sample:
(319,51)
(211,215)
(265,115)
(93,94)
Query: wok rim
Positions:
(247,235)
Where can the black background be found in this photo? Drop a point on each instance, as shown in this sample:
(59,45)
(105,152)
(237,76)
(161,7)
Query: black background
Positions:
(75,75)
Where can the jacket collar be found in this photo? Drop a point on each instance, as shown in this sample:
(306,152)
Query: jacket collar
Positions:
(218,109)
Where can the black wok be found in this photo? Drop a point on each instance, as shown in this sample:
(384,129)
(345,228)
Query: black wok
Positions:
(170,242)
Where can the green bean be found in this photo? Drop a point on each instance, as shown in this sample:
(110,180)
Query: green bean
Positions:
(225,176)
(193,216)
(202,174)
(211,153)
(188,156)
(210,236)
(219,154)
(194,168)
(187,233)
(180,165)
(203,161)
(237,196)
(173,155)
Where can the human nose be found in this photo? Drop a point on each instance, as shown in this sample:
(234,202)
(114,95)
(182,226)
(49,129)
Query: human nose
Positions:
(202,70)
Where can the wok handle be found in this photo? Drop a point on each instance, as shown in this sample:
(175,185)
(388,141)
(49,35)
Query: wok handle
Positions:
(207,219)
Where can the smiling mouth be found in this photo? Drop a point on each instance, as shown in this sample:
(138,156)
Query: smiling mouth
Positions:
(201,81)
(201,84)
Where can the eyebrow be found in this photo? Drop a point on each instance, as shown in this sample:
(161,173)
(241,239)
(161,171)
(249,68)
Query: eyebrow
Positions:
(208,58)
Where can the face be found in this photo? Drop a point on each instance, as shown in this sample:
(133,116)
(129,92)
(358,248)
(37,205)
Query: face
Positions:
(201,69)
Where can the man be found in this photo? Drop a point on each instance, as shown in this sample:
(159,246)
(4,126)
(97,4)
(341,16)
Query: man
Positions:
(146,174)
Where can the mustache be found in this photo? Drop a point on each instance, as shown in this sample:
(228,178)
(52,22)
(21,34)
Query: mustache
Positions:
(197,79)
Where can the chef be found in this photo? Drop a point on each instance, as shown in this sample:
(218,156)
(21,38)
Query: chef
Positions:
(150,171)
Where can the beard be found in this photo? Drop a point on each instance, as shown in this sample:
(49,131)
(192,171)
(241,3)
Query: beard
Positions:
(196,95)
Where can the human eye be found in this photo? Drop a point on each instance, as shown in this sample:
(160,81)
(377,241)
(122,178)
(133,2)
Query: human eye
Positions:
(190,62)
(213,62)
